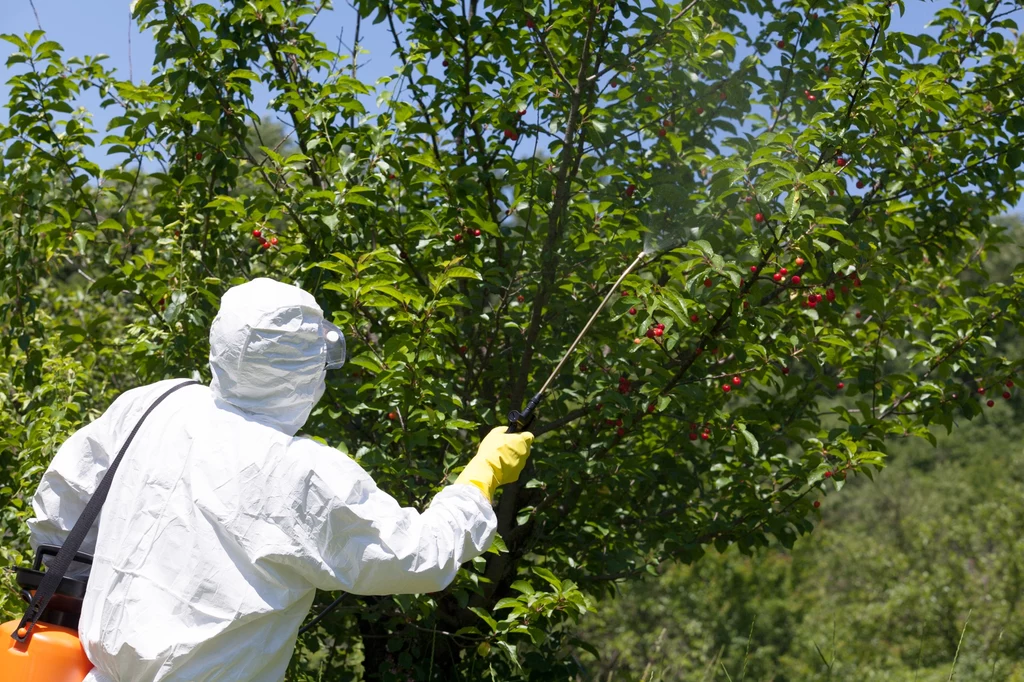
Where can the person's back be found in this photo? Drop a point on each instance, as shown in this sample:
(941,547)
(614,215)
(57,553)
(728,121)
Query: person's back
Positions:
(222,523)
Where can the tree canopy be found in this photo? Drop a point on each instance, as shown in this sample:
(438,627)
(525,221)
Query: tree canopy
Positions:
(828,187)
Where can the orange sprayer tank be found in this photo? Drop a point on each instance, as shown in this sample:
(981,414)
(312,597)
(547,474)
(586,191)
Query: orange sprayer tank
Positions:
(52,654)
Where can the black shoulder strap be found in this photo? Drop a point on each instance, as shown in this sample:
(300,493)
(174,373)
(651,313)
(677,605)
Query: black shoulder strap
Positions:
(58,567)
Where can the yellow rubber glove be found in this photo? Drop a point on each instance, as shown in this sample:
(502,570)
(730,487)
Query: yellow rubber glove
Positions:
(499,460)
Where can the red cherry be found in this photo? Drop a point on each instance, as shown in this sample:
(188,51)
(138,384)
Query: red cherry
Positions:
(257,233)
(522,112)
(445,63)
(620,431)
(658,331)
(781,44)
(860,184)
(624,293)
(651,408)
(736,381)
(650,333)
(1009,383)
(265,245)
(662,132)
(693,435)
(799,262)
(777,277)
(840,386)
(1006,395)
(632,311)
(476,233)
(991,403)
(981,390)
(705,435)
(511,135)
(726,388)
(457,236)
(828,474)
(659,326)
(520,298)
(845,289)
(392,416)
(630,190)
(530,25)
(785,370)
(618,422)
(667,123)
(783,271)
(840,161)
(811,98)
(753,268)
(700,111)
(273,240)
(695,318)
(759,217)
(199,156)
(817,504)
(856,282)
(795,279)
(707,282)
(858,314)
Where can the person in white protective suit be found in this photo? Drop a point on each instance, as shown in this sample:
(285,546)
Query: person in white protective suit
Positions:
(221,523)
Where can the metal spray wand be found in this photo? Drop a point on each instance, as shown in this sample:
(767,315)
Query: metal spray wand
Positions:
(520,421)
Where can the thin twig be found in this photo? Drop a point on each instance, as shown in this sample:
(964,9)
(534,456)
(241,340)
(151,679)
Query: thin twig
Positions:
(39,24)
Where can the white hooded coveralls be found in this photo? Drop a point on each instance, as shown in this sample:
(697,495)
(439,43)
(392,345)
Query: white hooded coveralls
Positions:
(220,522)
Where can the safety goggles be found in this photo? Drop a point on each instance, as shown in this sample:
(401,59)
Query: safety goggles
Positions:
(335,340)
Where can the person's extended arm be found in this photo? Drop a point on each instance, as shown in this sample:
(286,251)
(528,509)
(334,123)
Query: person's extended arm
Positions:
(355,537)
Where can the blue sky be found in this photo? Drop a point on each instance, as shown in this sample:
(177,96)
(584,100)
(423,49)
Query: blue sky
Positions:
(104,26)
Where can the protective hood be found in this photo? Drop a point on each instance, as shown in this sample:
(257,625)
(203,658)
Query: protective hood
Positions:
(268,354)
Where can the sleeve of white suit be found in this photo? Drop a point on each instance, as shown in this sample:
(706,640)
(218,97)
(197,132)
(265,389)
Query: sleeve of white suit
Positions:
(355,537)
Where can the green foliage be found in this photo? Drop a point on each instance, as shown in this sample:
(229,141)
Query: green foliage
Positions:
(884,589)
(464,231)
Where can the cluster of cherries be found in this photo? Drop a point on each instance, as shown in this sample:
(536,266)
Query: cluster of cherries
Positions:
(620,431)
(736,381)
(264,242)
(512,133)
(1006,394)
(457,237)
(704,435)
(656,331)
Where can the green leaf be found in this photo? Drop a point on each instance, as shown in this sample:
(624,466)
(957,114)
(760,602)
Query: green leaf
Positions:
(425,160)
(522,586)
(485,617)
(547,575)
